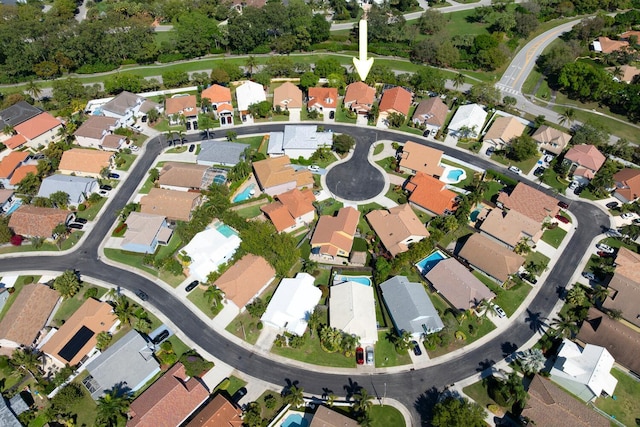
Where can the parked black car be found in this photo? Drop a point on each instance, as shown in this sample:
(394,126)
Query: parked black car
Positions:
(80,220)
(113,176)
(106,187)
(191,148)
(242,392)
(416,348)
(539,171)
(191,286)
(160,337)
(76,226)
(612,205)
(142,295)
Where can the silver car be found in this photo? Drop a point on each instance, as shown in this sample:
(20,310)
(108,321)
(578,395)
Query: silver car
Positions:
(369,355)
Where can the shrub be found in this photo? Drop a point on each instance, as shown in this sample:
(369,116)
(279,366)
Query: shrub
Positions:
(16,240)
(325,290)
(224,384)
(259,326)
(82,207)
(269,401)
(91,292)
(28,279)
(194,364)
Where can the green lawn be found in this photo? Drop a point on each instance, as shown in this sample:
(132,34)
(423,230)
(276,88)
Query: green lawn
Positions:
(397,196)
(311,352)
(525,165)
(250,212)
(70,305)
(235,384)
(626,407)
(92,210)
(386,416)
(253,141)
(509,299)
(341,115)
(537,258)
(553,180)
(135,260)
(330,206)
(493,188)
(458,24)
(386,165)
(554,236)
(455,235)
(244,326)
(378,149)
(469,173)
(197,297)
(68,243)
(129,159)
(478,392)
(386,354)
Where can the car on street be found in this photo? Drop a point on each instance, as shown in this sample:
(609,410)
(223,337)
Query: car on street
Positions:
(490,151)
(563,205)
(499,311)
(192,147)
(80,220)
(562,219)
(160,337)
(106,187)
(605,248)
(416,348)
(626,215)
(113,176)
(76,226)
(515,170)
(142,295)
(313,168)
(191,286)
(612,205)
(539,171)
(369,355)
(360,356)
(589,275)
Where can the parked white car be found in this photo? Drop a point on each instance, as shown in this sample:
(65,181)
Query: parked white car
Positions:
(627,215)
(499,311)
(605,248)
(515,170)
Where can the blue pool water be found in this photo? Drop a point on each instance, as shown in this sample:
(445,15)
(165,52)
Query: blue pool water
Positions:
(474,215)
(219,179)
(363,280)
(455,174)
(429,262)
(225,230)
(245,194)
(294,420)
(13,208)
(97,111)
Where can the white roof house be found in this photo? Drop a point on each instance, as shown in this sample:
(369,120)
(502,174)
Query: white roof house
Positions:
(292,303)
(249,93)
(352,310)
(209,249)
(584,372)
(472,116)
(298,141)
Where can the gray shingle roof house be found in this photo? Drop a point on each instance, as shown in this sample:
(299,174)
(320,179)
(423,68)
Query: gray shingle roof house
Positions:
(18,113)
(7,417)
(77,187)
(128,364)
(220,153)
(410,307)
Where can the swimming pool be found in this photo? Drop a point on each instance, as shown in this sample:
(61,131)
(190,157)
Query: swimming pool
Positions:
(426,264)
(453,175)
(245,194)
(97,111)
(225,230)
(363,280)
(14,207)
(474,215)
(295,420)
(219,179)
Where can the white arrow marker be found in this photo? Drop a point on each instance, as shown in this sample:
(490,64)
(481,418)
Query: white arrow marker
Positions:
(363,64)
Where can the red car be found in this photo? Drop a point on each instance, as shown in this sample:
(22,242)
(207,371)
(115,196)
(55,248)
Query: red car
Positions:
(562,219)
(604,254)
(360,356)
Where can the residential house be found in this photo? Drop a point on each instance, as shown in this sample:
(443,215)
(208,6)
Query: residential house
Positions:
(24,320)
(145,232)
(39,131)
(77,187)
(431,195)
(458,285)
(127,107)
(175,205)
(549,405)
(585,372)
(298,141)
(529,202)
(181,108)
(624,287)
(220,98)
(21,173)
(490,258)
(416,158)
(112,142)
(8,418)
(169,401)
(333,235)
(397,228)
(292,303)
(620,340)
(288,97)
(510,228)
(34,221)
(246,279)
(221,153)
(9,164)
(15,141)
(93,131)
(551,140)
(503,130)
(239,5)
(18,113)
(324,100)
(126,365)
(184,177)
(247,94)
(468,121)
(6,200)
(219,412)
(410,308)
(352,309)
(211,248)
(584,161)
(291,210)
(359,97)
(627,73)
(85,162)
(77,337)
(276,175)
(606,45)
(395,100)
(327,417)
(627,185)
(432,114)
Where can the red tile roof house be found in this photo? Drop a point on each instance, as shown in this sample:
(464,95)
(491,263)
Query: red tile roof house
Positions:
(333,236)
(219,412)
(395,100)
(431,113)
(322,99)
(220,98)
(431,195)
(32,221)
(179,107)
(292,209)
(397,228)
(39,130)
(169,401)
(584,160)
(627,185)
(416,158)
(359,97)
(9,164)
(529,202)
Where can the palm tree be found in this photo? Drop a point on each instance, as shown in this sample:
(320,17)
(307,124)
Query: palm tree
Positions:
(568,116)
(33,89)
(214,295)
(8,130)
(250,63)
(576,296)
(614,314)
(458,80)
(563,326)
(523,247)
(349,344)
(483,308)
(309,266)
(532,360)
(600,293)
(331,398)
(362,401)
(313,321)
(294,396)
(112,408)
(124,310)
(26,359)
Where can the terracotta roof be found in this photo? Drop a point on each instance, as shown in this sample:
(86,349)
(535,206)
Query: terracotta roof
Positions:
(290,205)
(359,96)
(28,313)
(490,257)
(244,279)
(326,417)
(511,226)
(279,215)
(431,111)
(112,141)
(85,160)
(219,412)
(420,158)
(396,99)
(225,107)
(628,72)
(549,405)
(504,129)
(37,125)
(551,139)
(458,285)
(169,203)
(326,97)
(587,156)
(628,183)
(96,126)
(185,105)
(530,202)
(94,315)
(624,287)
(335,233)
(431,194)
(21,173)
(217,94)
(287,95)
(10,162)
(168,401)
(15,141)
(630,33)
(395,226)
(30,220)
(184,175)
(607,45)
(276,171)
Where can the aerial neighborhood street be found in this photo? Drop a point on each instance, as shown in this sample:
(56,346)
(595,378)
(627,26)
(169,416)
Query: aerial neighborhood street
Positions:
(259,233)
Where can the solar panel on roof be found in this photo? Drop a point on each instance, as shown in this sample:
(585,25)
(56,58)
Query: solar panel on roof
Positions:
(73,346)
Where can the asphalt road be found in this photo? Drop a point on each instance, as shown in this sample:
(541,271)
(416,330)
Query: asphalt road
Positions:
(412,388)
